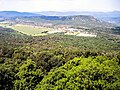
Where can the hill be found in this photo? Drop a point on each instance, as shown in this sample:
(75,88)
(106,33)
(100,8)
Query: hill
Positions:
(71,13)
(11,38)
(106,16)
(79,20)
(85,23)
(111,17)
(83,19)
(8,14)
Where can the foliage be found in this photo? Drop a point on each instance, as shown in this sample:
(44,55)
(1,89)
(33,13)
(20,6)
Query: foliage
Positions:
(83,73)
(52,62)
(10,38)
(28,76)
(7,74)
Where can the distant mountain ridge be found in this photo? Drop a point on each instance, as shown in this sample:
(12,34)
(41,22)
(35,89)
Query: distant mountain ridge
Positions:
(55,13)
(112,17)
(8,14)
(78,20)
(83,20)
(71,13)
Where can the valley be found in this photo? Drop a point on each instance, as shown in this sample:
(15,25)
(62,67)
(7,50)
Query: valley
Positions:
(38,52)
(34,30)
(79,25)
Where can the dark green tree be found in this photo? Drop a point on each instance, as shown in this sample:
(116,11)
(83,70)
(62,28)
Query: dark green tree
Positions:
(28,76)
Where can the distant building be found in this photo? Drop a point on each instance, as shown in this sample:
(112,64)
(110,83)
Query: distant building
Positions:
(72,30)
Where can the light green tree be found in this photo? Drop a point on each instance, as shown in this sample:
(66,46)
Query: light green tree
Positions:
(100,73)
(28,76)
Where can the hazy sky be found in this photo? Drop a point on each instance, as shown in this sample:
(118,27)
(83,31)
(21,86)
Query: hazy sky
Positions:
(59,5)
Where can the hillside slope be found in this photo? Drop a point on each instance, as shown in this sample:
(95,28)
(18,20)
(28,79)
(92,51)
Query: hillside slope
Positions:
(80,20)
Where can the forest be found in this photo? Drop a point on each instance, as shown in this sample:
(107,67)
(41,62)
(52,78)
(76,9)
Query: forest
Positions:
(58,62)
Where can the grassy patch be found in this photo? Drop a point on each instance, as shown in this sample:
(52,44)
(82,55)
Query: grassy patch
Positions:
(31,30)
(28,29)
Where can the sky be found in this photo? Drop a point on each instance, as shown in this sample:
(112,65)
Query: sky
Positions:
(59,5)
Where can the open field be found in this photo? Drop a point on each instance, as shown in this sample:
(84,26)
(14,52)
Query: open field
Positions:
(28,29)
(4,24)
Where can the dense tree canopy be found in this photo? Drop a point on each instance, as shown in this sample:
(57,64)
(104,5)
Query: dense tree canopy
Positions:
(57,62)
(28,76)
(83,73)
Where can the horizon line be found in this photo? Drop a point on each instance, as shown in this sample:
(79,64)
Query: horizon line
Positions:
(58,11)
